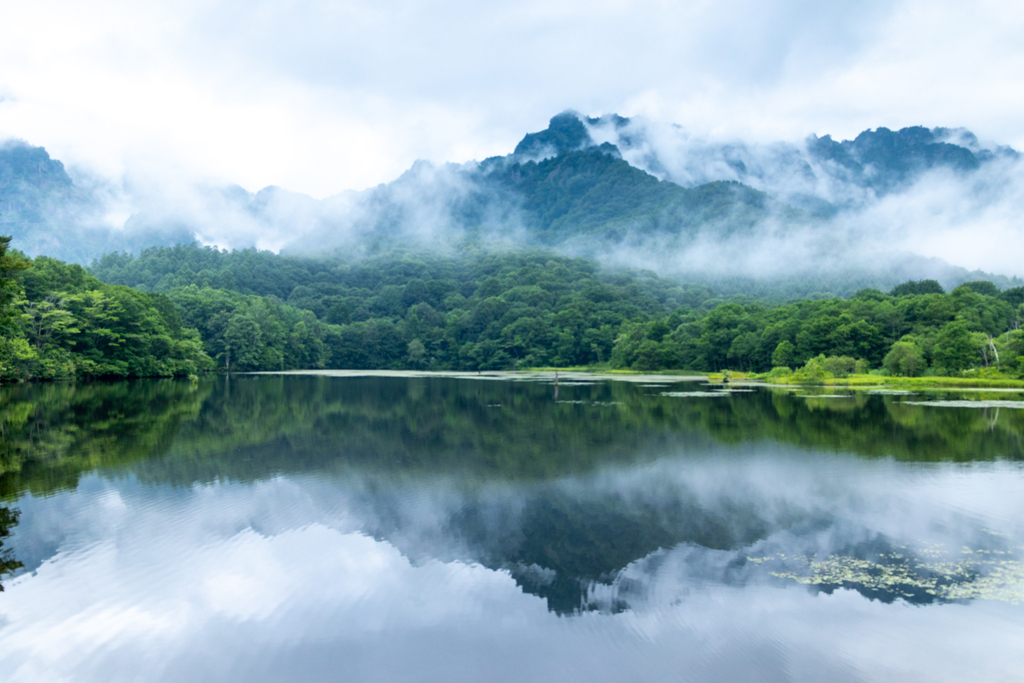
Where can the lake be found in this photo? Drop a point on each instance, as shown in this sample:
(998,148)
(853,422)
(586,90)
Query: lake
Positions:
(404,527)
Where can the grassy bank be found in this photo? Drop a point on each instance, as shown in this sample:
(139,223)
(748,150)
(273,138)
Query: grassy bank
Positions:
(905,382)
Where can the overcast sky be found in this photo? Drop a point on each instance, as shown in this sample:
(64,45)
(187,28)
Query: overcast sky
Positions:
(324,96)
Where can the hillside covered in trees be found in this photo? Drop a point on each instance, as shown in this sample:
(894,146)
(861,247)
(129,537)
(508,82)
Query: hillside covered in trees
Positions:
(501,311)
(59,322)
(188,309)
(913,330)
(258,311)
(478,311)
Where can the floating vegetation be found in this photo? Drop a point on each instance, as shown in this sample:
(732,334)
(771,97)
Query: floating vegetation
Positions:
(968,404)
(825,395)
(975,575)
(890,392)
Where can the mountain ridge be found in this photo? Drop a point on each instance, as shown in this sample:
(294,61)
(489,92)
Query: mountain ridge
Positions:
(608,187)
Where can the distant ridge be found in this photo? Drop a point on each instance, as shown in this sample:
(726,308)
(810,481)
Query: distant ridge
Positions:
(624,190)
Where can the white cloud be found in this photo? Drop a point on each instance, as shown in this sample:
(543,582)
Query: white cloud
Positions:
(318,97)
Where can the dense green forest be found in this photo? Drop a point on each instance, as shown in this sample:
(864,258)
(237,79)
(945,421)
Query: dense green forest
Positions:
(478,311)
(59,322)
(500,311)
(916,329)
(182,310)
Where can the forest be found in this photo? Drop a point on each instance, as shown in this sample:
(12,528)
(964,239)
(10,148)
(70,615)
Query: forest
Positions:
(916,329)
(184,310)
(59,322)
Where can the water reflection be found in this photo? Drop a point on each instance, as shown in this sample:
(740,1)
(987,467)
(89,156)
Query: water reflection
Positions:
(393,528)
(8,520)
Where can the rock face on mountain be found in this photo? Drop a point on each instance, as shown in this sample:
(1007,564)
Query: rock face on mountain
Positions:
(886,160)
(565,133)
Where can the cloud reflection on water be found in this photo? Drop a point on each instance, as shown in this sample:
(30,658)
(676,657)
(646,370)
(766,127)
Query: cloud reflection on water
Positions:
(372,575)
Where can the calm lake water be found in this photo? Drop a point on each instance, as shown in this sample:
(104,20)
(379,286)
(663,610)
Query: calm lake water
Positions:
(391,528)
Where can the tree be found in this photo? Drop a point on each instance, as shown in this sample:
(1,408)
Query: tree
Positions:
(242,343)
(782,357)
(904,359)
(10,266)
(416,357)
(912,287)
(955,348)
(982,287)
(47,322)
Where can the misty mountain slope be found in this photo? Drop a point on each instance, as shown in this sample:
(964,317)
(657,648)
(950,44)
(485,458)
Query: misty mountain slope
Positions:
(876,210)
(632,192)
(37,198)
(558,188)
(48,212)
(573,187)
(819,173)
(888,161)
(592,193)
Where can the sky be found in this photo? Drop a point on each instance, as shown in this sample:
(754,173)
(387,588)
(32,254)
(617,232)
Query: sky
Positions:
(319,97)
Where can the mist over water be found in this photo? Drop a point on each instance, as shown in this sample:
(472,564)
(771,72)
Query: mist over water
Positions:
(450,527)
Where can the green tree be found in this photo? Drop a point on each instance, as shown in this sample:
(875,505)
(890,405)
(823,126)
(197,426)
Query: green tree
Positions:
(955,349)
(417,354)
(47,322)
(913,287)
(783,354)
(904,359)
(10,266)
(242,343)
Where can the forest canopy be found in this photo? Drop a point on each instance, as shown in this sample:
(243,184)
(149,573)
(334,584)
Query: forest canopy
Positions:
(60,322)
(183,310)
(487,310)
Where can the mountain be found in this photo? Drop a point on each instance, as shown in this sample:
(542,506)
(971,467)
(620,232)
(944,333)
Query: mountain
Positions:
(736,216)
(820,174)
(36,198)
(47,212)
(624,190)
(558,188)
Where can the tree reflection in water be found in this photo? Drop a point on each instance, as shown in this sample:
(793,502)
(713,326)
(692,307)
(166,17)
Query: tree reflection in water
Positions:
(557,546)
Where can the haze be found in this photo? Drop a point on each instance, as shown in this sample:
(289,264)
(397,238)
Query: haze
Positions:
(319,97)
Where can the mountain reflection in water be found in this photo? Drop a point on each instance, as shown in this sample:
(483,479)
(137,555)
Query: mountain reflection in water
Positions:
(279,501)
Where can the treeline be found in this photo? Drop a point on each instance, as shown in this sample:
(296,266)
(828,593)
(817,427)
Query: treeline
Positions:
(915,329)
(59,322)
(478,311)
(190,309)
(500,311)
